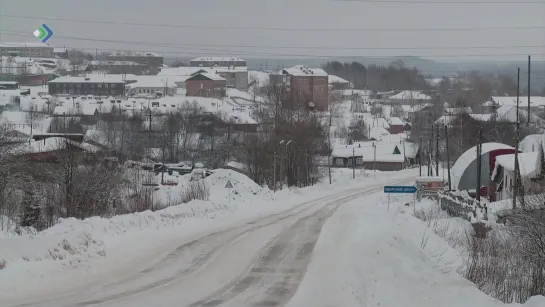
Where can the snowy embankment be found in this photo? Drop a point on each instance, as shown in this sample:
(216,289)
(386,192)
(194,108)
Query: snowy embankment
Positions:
(97,246)
(372,256)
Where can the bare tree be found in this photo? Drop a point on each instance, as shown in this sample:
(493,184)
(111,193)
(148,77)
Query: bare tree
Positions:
(335,103)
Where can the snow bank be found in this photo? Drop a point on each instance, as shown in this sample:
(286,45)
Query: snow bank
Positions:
(372,256)
(74,248)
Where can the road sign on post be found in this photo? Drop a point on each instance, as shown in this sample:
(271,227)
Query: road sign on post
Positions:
(229,186)
(399,190)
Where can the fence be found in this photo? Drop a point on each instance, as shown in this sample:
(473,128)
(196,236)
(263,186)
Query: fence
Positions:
(463,206)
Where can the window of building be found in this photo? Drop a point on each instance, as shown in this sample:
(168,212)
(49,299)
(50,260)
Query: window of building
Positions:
(99,85)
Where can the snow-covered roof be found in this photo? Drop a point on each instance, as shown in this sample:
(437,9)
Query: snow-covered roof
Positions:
(509,113)
(210,76)
(384,152)
(463,162)
(301,70)
(378,133)
(113,63)
(532,142)
(331,79)
(396,121)
(134,53)
(529,163)
(180,71)
(535,101)
(410,95)
(90,79)
(218,59)
(22,44)
(81,109)
(448,119)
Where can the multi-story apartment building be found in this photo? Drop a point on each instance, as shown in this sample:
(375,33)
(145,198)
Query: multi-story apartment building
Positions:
(309,85)
(99,85)
(35,50)
(217,61)
(144,58)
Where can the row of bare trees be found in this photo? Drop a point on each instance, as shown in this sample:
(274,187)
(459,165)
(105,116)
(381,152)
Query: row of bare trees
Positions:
(285,151)
(79,184)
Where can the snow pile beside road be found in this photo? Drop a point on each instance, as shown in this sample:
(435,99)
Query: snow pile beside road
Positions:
(75,237)
(386,258)
(97,245)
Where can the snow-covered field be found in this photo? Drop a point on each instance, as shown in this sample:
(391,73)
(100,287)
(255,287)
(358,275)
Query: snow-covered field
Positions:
(221,252)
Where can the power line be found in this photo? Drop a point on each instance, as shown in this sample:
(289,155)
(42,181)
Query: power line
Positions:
(442,2)
(158,44)
(120,23)
(199,51)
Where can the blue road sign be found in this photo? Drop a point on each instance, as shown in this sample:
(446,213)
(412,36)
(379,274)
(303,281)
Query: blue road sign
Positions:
(400,189)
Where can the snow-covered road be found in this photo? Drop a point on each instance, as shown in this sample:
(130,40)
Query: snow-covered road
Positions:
(345,248)
(260,263)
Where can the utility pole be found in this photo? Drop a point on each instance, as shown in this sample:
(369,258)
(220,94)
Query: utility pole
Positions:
(274,171)
(308,167)
(420,156)
(228,142)
(430,153)
(479,165)
(515,190)
(353,163)
(437,149)
(448,158)
(529,60)
(375,158)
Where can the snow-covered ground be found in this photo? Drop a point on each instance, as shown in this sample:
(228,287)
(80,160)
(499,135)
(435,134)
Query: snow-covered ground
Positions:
(339,245)
(74,250)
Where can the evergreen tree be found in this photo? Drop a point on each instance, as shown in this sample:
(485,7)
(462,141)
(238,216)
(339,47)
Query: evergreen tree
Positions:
(32,211)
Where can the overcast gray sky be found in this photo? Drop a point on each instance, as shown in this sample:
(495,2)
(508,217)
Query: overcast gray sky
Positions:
(252,16)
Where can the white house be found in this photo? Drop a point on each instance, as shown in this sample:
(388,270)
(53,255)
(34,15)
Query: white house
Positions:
(504,173)
(151,88)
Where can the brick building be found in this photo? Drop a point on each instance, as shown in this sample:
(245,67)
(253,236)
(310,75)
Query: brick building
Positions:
(206,85)
(308,84)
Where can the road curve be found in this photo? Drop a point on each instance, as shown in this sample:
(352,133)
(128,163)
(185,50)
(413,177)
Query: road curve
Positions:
(277,248)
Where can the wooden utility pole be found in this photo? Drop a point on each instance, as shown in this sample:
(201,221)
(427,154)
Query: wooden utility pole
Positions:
(515,189)
(430,153)
(437,150)
(353,163)
(529,59)
(479,165)
(274,171)
(420,156)
(448,158)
